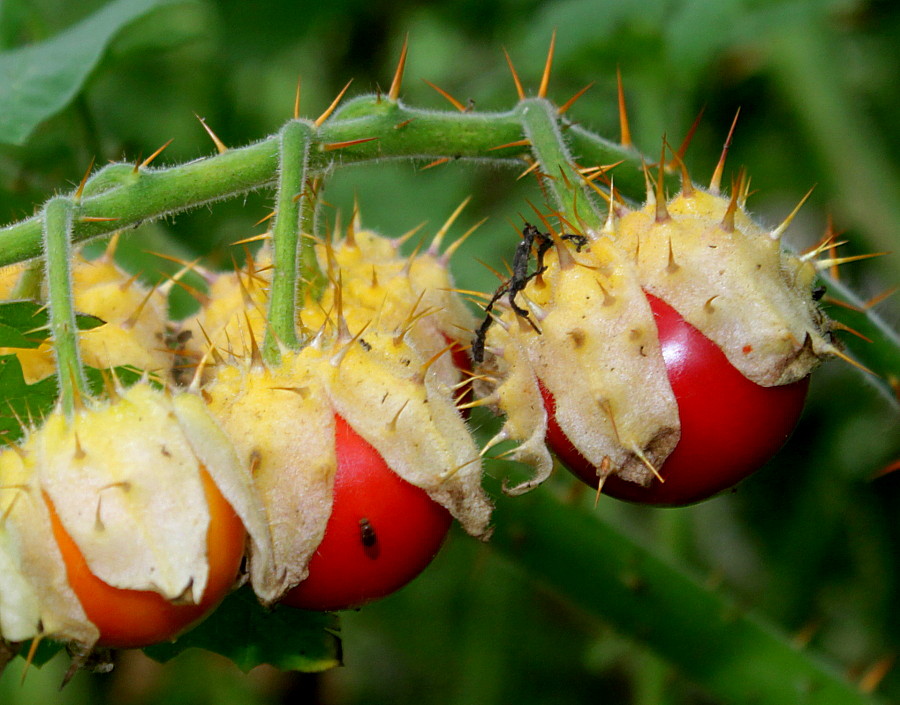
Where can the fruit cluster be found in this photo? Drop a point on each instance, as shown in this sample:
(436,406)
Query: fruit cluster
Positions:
(332,476)
(661,357)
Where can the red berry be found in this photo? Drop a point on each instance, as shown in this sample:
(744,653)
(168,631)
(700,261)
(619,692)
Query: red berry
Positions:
(730,426)
(383,531)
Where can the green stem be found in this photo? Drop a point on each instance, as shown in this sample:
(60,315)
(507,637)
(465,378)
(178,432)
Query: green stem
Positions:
(293,158)
(541,126)
(734,654)
(878,349)
(397,131)
(58,219)
(311,276)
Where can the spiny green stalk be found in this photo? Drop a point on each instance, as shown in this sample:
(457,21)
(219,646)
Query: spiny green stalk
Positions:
(541,126)
(293,174)
(58,220)
(135,195)
(310,273)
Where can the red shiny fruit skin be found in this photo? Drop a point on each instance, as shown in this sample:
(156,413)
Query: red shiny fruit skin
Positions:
(730,426)
(403,526)
(136,618)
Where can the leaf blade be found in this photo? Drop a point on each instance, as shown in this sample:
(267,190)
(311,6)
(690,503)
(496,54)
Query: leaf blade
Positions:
(39,80)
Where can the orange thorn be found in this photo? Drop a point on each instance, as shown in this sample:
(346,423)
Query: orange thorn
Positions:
(545,79)
(32,650)
(600,192)
(297,101)
(878,298)
(401,125)
(662,213)
(624,129)
(434,358)
(727,223)
(436,162)
(456,104)
(844,327)
(780,230)
(525,173)
(439,236)
(394,92)
(571,101)
(398,242)
(517,143)
(96,219)
(412,258)
(682,150)
(687,187)
(875,674)
(454,246)
(837,261)
(220,146)
(330,109)
(349,143)
(831,236)
(602,474)
(842,304)
(716,181)
(80,190)
(846,358)
(887,470)
(153,156)
(512,70)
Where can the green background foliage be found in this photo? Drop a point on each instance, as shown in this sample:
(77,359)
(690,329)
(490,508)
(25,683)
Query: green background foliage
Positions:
(809,544)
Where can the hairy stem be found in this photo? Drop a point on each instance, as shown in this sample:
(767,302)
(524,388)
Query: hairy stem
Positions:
(394,131)
(293,164)
(559,177)
(58,218)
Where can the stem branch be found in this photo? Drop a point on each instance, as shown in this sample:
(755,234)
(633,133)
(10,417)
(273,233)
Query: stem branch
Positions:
(293,161)
(58,218)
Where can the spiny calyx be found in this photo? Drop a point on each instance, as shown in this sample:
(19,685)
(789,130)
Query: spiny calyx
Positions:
(577,334)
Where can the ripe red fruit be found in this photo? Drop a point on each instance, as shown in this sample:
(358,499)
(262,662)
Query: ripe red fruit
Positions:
(730,426)
(383,531)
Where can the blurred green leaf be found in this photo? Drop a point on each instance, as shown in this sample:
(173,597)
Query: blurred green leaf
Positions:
(23,324)
(250,635)
(22,402)
(39,80)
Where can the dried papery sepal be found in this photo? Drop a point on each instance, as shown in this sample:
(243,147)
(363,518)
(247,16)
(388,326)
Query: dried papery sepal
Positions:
(764,318)
(282,422)
(36,599)
(124,480)
(596,337)
(282,430)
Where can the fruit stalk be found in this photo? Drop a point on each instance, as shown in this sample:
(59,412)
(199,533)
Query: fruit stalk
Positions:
(58,220)
(542,129)
(293,161)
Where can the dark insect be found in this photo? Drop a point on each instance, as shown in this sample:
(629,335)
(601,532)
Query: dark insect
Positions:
(367,533)
(531,237)
(514,284)
(818,293)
